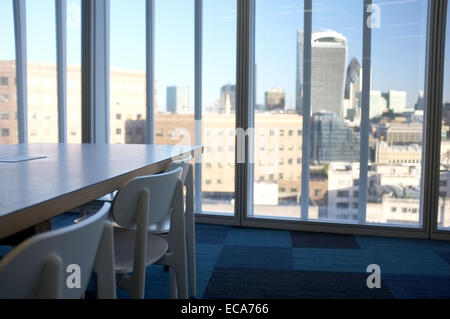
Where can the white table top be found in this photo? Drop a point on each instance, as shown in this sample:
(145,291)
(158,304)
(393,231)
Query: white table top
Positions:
(70,175)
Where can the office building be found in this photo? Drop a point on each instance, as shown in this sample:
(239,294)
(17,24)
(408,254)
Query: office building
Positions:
(378,104)
(332,139)
(177,99)
(275,99)
(396,100)
(329,56)
(398,154)
(227,92)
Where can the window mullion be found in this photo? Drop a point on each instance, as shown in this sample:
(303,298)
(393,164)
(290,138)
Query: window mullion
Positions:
(150,71)
(198,102)
(306,110)
(21,68)
(365,104)
(61,56)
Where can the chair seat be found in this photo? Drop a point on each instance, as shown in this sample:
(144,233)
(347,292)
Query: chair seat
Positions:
(124,249)
(160,227)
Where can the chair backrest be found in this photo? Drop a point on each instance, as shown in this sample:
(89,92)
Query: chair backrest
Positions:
(54,264)
(161,188)
(184,169)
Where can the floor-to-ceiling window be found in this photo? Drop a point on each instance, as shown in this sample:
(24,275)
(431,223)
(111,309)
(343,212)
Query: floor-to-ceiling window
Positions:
(398,59)
(278,127)
(365,127)
(443,213)
(73,71)
(127,105)
(218,118)
(41,71)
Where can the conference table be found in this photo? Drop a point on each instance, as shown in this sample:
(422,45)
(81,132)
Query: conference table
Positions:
(41,181)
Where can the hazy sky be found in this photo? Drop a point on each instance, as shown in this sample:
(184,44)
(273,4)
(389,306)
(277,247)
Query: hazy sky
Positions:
(398,48)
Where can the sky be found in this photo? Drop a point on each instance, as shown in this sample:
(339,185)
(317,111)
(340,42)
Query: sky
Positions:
(398,46)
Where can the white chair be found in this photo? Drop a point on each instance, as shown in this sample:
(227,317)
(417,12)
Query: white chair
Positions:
(59,263)
(144,201)
(163,226)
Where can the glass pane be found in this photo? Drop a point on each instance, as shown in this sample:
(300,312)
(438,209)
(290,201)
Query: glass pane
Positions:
(174,72)
(8,90)
(127,72)
(443,217)
(336,83)
(74,71)
(396,112)
(219,106)
(41,68)
(278,125)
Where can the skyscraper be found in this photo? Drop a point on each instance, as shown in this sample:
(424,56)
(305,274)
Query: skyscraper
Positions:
(177,99)
(332,140)
(275,99)
(228,91)
(353,78)
(328,55)
(378,104)
(396,100)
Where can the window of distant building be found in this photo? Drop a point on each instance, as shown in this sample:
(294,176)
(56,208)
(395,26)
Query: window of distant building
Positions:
(118,116)
(4,115)
(118,131)
(5,131)
(342,205)
(343,194)
(3,80)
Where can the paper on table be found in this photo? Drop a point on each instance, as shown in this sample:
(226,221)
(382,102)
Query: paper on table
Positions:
(18,158)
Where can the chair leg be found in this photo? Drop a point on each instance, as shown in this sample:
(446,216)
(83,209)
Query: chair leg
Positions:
(190,240)
(181,279)
(104,265)
(176,258)
(173,283)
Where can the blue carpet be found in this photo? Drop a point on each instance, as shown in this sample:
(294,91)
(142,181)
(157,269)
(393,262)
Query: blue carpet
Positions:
(320,240)
(250,283)
(258,263)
